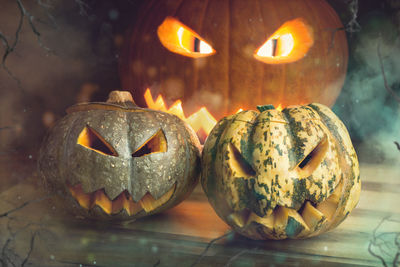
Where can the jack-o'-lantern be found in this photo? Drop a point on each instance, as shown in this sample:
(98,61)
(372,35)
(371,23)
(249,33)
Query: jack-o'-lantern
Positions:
(206,52)
(277,175)
(115,160)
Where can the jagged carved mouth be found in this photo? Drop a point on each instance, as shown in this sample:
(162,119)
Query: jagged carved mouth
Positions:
(287,222)
(123,201)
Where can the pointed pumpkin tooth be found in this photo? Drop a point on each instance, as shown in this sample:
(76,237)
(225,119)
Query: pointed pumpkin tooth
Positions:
(133,207)
(289,223)
(337,193)
(113,193)
(118,203)
(267,221)
(130,206)
(83,199)
(149,203)
(328,208)
(312,216)
(296,226)
(101,200)
(281,218)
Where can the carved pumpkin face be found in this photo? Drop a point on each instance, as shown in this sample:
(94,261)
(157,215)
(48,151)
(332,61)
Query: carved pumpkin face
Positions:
(205,53)
(276,175)
(115,160)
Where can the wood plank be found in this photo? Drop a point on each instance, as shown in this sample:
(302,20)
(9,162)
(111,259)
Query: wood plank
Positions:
(177,237)
(378,173)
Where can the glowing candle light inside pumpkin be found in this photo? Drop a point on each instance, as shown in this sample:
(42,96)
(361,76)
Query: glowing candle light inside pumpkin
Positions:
(308,67)
(289,43)
(201,120)
(179,38)
(282,46)
(187,39)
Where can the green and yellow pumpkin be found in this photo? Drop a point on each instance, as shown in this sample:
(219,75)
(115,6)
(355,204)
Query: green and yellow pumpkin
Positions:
(281,174)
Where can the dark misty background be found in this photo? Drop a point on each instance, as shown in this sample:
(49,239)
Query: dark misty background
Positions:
(67,52)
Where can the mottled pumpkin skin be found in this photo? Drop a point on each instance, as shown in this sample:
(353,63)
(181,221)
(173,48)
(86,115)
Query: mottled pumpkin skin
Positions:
(62,160)
(258,181)
(235,29)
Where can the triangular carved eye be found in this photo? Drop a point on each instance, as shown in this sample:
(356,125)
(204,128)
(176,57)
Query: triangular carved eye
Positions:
(156,144)
(313,159)
(92,140)
(239,164)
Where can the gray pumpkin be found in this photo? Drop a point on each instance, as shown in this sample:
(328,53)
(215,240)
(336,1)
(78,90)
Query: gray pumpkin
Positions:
(115,160)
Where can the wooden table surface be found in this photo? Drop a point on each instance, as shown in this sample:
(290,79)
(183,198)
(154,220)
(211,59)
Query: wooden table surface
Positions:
(36,233)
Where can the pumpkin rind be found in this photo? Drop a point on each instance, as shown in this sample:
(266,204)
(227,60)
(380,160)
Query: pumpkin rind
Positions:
(64,162)
(235,29)
(255,177)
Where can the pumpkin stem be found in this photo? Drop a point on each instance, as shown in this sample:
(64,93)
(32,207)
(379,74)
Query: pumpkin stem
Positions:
(263,108)
(122,98)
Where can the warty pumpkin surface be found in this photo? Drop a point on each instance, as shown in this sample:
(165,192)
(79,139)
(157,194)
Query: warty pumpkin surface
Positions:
(205,52)
(117,161)
(277,175)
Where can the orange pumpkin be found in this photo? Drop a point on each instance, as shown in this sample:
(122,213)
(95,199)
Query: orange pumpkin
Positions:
(236,54)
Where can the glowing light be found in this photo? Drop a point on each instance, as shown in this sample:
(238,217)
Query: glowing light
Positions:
(280,46)
(180,39)
(201,120)
(267,49)
(289,43)
(205,48)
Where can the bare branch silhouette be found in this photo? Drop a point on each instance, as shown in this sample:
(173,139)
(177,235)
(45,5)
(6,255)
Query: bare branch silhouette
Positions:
(384,242)
(16,235)
(236,256)
(23,205)
(353,26)
(83,7)
(202,255)
(388,88)
(397,144)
